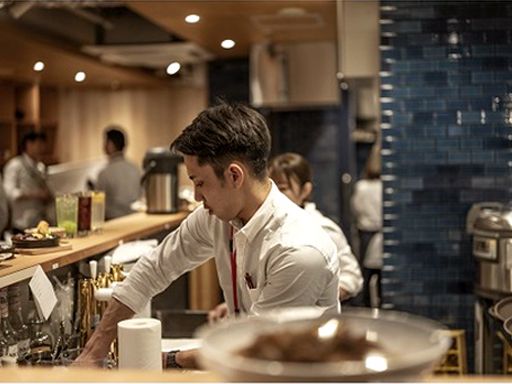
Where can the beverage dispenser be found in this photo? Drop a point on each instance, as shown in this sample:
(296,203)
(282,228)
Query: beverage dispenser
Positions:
(160,180)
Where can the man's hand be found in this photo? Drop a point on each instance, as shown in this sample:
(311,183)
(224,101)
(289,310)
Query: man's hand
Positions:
(185,359)
(218,313)
(97,347)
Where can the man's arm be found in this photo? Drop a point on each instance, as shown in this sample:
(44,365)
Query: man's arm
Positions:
(98,345)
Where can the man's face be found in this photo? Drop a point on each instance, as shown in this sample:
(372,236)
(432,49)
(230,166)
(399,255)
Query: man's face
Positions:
(217,195)
(35,149)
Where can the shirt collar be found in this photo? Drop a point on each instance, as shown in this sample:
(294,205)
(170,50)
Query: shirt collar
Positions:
(309,206)
(260,217)
(116,156)
(29,160)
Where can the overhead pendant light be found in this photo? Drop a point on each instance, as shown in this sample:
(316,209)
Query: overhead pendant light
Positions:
(192,19)
(227,44)
(173,68)
(80,76)
(38,66)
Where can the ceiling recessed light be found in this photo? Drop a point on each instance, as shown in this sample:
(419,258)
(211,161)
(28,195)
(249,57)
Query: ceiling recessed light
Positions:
(173,68)
(191,19)
(227,44)
(38,66)
(79,77)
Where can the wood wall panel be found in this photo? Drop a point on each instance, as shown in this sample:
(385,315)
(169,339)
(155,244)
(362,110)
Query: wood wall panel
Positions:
(150,117)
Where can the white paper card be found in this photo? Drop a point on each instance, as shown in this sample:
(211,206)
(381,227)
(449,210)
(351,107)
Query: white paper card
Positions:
(42,290)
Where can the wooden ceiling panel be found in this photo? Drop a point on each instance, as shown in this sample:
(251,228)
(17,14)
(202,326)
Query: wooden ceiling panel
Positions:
(61,64)
(236,20)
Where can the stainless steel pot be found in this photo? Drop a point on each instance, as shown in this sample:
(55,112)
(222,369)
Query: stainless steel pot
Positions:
(492,249)
(160,180)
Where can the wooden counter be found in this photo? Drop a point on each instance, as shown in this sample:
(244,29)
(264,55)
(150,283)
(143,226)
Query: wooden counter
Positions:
(72,374)
(126,228)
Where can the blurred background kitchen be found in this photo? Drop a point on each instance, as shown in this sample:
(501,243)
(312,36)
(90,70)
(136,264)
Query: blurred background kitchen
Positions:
(427,85)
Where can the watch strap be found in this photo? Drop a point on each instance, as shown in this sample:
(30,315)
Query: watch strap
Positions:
(170,361)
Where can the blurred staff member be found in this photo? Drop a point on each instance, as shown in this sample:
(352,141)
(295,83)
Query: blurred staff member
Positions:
(268,253)
(120,179)
(367,208)
(292,174)
(25,184)
(4,210)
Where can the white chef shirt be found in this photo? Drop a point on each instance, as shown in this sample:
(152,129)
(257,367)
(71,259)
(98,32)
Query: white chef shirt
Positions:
(289,258)
(120,180)
(367,204)
(21,175)
(349,274)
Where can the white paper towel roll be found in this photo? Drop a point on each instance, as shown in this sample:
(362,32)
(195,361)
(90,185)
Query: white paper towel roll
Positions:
(140,344)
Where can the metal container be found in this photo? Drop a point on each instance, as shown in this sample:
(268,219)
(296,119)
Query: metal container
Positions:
(492,249)
(160,180)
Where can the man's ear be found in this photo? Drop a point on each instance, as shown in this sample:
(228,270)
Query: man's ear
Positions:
(235,174)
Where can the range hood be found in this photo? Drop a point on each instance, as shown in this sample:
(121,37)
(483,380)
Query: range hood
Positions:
(294,74)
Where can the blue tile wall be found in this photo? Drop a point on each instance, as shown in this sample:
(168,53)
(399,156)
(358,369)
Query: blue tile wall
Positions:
(447,79)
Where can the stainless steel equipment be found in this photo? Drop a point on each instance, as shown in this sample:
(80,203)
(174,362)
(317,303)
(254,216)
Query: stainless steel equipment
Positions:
(160,180)
(492,249)
(490,223)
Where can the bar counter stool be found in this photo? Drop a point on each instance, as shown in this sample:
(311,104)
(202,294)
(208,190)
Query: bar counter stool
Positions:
(455,362)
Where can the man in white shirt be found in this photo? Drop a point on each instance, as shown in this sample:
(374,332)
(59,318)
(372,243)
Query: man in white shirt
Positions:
(120,179)
(25,184)
(268,254)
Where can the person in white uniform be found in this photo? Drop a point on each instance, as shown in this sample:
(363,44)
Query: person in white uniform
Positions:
(120,179)
(268,252)
(28,193)
(367,207)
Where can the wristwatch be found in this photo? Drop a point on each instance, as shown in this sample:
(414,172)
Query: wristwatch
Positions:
(170,361)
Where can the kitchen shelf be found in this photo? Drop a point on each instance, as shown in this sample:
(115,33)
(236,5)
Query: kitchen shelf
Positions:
(126,228)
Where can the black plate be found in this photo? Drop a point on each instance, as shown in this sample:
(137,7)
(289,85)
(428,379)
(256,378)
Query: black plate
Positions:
(43,243)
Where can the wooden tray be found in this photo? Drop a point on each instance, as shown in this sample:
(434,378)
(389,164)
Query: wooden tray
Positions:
(40,251)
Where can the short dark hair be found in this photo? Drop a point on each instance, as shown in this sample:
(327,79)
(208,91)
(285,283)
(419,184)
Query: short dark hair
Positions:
(291,165)
(115,134)
(31,137)
(224,133)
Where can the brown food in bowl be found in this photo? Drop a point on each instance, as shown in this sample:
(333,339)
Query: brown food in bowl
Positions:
(305,346)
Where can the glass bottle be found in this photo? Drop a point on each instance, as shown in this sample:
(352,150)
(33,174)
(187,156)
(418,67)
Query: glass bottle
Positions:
(84,213)
(10,336)
(16,320)
(40,342)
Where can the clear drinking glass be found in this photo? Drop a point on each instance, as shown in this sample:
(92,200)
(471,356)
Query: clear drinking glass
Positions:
(98,210)
(67,213)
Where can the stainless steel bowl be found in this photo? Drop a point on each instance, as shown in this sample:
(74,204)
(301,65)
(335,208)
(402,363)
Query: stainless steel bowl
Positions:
(411,346)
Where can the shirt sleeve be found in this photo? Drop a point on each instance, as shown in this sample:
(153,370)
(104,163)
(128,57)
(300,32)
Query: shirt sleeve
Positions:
(11,183)
(100,183)
(351,279)
(182,250)
(295,277)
